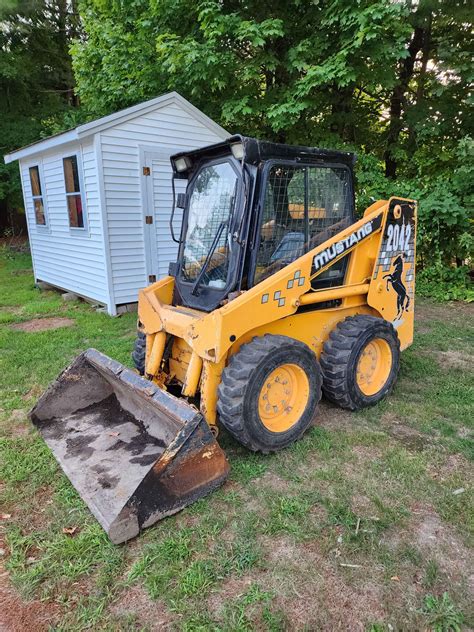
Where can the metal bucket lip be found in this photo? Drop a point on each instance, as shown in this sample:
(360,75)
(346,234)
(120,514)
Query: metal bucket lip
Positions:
(180,411)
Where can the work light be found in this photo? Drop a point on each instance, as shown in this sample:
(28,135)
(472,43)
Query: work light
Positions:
(237,150)
(182,164)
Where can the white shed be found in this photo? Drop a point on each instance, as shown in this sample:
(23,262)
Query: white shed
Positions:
(98,198)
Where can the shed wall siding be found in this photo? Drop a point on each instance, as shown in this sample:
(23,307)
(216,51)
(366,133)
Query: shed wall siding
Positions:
(74,262)
(169,128)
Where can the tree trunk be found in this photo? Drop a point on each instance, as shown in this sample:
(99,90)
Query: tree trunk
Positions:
(421,79)
(341,113)
(397,102)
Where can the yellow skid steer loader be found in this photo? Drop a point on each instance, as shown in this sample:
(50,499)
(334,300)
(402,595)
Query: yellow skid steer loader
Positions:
(278,294)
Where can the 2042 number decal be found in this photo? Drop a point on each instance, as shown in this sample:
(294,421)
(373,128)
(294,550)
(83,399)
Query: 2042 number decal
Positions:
(398,237)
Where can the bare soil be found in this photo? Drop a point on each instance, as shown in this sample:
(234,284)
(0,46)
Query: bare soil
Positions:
(17,615)
(134,603)
(456,360)
(43,324)
(327,600)
(437,541)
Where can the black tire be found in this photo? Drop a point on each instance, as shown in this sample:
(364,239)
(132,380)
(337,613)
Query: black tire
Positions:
(340,357)
(243,379)
(138,353)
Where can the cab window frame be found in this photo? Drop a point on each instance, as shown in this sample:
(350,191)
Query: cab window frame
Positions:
(208,297)
(255,246)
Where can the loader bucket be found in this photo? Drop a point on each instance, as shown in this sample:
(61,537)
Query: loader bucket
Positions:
(134,452)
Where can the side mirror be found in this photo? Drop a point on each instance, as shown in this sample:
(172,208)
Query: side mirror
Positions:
(181,200)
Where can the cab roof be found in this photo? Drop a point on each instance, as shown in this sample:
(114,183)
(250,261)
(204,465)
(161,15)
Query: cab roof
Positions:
(257,151)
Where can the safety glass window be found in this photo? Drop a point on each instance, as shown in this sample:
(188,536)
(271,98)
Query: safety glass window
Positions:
(209,218)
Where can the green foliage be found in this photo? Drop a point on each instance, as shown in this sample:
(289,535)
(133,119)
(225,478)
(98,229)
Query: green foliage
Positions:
(445,283)
(264,73)
(442,614)
(36,78)
(445,217)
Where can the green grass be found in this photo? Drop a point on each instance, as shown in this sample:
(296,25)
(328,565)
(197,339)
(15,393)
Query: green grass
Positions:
(349,509)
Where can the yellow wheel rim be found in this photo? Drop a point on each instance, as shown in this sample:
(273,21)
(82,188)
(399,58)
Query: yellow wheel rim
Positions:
(374,366)
(283,397)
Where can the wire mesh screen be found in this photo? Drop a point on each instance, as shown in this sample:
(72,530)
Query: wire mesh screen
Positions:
(303,207)
(329,203)
(207,235)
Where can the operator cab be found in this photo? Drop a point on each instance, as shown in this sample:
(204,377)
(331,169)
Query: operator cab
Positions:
(251,208)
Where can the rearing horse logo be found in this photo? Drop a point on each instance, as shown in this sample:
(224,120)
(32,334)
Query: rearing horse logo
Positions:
(395,279)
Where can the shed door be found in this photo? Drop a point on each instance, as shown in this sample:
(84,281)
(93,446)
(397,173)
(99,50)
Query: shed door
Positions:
(161,249)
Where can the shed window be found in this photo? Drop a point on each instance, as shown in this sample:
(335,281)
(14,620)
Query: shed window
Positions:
(73,192)
(37,196)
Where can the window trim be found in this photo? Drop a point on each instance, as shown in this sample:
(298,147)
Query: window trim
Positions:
(261,201)
(82,231)
(39,165)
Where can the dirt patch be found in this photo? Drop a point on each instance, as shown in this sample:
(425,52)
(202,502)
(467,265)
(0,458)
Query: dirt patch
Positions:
(362,506)
(229,590)
(18,616)
(333,417)
(134,603)
(453,464)
(43,324)
(331,597)
(367,453)
(20,272)
(410,438)
(16,423)
(456,360)
(436,541)
(439,542)
(427,311)
(274,482)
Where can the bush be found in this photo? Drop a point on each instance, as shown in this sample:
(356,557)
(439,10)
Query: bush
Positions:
(445,203)
(445,283)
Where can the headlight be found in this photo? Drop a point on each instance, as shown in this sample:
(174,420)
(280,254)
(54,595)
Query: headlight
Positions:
(237,150)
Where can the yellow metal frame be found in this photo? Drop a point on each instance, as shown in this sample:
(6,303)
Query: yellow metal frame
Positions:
(271,306)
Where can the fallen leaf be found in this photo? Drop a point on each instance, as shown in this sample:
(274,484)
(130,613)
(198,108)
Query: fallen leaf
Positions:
(69,530)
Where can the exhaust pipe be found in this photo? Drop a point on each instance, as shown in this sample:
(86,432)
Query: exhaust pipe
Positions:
(134,452)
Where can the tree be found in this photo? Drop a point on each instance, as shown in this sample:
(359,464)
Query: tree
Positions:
(429,104)
(258,67)
(36,79)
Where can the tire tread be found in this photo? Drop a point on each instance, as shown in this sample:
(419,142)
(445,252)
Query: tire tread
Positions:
(336,354)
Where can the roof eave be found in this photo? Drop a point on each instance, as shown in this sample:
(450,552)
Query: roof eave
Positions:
(45,145)
(88,129)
